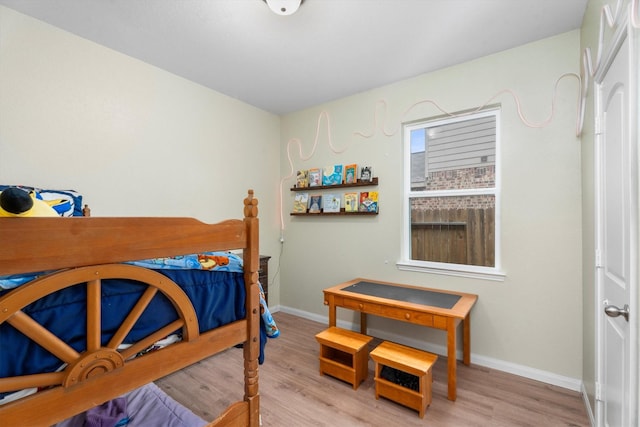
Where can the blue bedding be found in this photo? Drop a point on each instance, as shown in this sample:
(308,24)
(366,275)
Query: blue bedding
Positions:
(218,298)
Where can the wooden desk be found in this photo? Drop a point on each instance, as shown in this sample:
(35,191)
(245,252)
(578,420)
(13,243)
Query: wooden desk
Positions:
(446,319)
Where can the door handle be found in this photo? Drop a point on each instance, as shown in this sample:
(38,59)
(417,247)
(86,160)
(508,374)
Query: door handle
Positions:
(613,311)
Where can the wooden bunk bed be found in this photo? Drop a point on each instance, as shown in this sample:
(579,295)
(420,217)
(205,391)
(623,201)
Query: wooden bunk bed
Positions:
(89,251)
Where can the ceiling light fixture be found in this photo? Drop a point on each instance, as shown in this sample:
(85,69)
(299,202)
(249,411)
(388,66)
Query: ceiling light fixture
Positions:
(284,7)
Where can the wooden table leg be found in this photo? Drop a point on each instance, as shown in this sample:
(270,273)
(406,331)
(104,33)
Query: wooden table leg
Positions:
(332,314)
(466,340)
(363,323)
(451,357)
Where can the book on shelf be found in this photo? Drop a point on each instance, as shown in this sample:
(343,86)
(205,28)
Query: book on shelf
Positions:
(332,175)
(315,177)
(302,178)
(331,203)
(366,174)
(300,203)
(315,203)
(368,201)
(350,174)
(351,202)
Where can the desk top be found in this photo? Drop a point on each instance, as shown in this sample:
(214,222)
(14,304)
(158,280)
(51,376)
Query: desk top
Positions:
(449,303)
(401,293)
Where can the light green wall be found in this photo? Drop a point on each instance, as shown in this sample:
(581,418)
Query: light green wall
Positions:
(533,318)
(133,139)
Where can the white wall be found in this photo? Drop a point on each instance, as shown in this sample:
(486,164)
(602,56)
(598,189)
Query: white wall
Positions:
(532,320)
(133,139)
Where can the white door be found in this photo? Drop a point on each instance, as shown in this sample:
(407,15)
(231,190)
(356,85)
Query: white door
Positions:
(617,220)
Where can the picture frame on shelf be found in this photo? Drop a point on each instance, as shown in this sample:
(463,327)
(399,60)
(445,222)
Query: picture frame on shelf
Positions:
(331,203)
(301,202)
(351,202)
(315,203)
(368,201)
(351,173)
(366,174)
(302,178)
(315,177)
(332,175)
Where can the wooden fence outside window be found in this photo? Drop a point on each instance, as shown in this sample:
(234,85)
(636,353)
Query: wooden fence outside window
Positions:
(457,236)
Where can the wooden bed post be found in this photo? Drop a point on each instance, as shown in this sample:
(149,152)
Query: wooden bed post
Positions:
(251,259)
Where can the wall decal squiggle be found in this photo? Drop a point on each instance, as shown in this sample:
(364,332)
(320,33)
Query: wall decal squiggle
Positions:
(515,97)
(302,157)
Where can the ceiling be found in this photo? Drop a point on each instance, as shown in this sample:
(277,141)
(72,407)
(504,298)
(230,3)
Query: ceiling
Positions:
(327,50)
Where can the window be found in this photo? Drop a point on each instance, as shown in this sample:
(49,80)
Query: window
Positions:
(452,195)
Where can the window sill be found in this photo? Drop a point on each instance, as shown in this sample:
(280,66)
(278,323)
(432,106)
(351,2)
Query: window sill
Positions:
(458,270)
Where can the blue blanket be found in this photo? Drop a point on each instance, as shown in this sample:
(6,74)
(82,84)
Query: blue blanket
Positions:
(212,261)
(218,299)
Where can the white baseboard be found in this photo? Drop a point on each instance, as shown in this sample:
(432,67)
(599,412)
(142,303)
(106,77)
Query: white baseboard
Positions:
(489,362)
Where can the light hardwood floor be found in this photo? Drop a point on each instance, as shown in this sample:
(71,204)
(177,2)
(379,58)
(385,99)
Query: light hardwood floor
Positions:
(293,393)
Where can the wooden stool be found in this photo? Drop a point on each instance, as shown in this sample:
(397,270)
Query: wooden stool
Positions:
(344,355)
(408,360)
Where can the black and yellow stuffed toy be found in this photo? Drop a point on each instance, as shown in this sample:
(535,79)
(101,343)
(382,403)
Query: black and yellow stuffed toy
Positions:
(15,202)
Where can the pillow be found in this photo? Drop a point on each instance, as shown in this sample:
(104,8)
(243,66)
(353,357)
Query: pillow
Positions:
(64,202)
(16,202)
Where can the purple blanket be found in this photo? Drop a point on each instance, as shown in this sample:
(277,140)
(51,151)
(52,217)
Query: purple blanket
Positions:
(147,406)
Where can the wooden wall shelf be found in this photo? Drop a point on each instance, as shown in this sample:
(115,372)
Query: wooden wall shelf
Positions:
(330,189)
(341,213)
(374,181)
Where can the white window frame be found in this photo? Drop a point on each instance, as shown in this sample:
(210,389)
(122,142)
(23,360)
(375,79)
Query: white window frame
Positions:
(472,271)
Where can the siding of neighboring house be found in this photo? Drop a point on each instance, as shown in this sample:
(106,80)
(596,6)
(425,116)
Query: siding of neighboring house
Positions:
(459,155)
(462,144)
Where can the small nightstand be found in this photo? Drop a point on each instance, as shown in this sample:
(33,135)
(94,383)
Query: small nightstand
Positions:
(263,276)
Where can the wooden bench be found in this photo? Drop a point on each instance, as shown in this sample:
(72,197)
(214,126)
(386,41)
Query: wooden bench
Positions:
(409,361)
(344,355)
